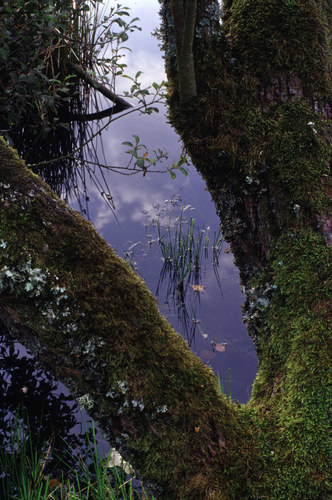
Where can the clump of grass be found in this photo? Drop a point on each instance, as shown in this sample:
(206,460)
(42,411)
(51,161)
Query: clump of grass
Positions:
(183,244)
(185,248)
(25,473)
(181,251)
(227,393)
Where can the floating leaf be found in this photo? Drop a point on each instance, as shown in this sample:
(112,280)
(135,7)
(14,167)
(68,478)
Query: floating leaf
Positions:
(197,288)
(220,347)
(205,354)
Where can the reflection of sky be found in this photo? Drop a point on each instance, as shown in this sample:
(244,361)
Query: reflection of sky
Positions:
(219,314)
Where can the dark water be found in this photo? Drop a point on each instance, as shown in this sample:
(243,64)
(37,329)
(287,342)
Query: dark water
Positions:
(212,312)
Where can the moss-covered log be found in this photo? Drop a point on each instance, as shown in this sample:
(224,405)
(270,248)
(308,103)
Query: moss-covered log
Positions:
(259,131)
(87,317)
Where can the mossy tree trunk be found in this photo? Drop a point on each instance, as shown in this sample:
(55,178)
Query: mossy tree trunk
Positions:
(259,131)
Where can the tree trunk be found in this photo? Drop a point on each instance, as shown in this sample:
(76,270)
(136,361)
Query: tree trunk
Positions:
(259,132)
(184,15)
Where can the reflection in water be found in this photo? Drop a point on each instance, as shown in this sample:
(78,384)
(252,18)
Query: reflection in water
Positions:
(185,251)
(78,163)
(30,394)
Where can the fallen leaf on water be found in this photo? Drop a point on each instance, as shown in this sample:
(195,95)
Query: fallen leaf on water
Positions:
(220,347)
(197,288)
(205,354)
(52,483)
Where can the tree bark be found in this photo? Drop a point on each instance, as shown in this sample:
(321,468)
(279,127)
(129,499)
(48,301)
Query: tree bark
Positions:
(184,15)
(120,104)
(259,131)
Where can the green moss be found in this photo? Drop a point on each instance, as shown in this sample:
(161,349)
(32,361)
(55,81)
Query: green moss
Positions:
(292,36)
(295,372)
(259,133)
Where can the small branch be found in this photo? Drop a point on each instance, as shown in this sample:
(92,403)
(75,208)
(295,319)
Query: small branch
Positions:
(178,21)
(113,110)
(120,103)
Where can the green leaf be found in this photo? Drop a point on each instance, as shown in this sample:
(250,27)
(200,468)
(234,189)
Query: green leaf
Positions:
(136,138)
(4,53)
(173,174)
(127,143)
(140,162)
(183,171)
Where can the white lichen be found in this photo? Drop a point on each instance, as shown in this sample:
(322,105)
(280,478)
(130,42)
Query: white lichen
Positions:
(162,409)
(85,402)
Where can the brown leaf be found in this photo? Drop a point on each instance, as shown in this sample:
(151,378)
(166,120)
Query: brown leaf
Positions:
(220,347)
(205,354)
(197,288)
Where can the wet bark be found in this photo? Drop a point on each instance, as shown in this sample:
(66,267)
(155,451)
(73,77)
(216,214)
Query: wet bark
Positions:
(184,15)
(120,104)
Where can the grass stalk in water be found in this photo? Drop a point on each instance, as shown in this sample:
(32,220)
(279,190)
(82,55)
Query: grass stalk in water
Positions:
(228,393)
(183,245)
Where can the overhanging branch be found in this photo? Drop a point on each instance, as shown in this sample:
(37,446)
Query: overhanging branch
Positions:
(93,322)
(120,104)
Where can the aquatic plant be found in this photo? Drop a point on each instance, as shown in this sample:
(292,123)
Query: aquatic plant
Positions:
(185,250)
(226,391)
(183,245)
(26,472)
